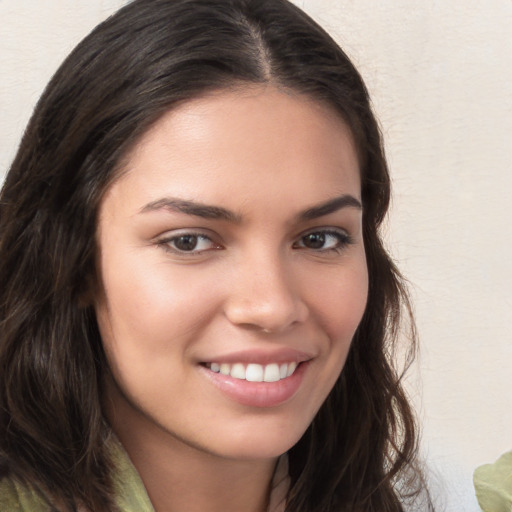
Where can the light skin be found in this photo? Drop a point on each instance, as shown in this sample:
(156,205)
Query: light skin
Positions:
(233,235)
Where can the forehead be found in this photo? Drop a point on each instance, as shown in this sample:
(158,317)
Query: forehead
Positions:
(238,144)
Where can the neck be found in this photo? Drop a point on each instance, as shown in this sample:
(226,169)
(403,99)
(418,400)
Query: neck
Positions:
(182,479)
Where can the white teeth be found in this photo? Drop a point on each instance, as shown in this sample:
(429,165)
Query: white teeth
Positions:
(253,372)
(238,371)
(291,369)
(271,373)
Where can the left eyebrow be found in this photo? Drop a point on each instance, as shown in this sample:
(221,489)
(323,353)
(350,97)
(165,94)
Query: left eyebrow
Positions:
(330,206)
(192,208)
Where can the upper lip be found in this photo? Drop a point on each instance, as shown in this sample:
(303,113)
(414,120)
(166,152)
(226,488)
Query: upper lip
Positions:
(263,357)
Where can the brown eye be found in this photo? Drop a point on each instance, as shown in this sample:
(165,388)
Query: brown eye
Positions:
(188,243)
(325,240)
(185,242)
(314,240)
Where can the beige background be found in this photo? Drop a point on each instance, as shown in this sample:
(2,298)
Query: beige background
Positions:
(440,73)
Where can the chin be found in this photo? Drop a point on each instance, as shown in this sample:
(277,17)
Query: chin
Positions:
(264,442)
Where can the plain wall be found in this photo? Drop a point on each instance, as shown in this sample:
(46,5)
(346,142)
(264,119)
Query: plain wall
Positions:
(440,74)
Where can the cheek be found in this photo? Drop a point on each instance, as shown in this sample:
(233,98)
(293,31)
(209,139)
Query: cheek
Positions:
(337,308)
(146,309)
(341,304)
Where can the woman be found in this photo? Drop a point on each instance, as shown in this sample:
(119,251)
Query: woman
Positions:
(197,312)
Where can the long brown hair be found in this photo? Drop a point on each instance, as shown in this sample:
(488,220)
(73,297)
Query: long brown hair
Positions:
(359,453)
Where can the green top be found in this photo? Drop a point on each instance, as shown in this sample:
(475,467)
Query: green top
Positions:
(493,485)
(131,495)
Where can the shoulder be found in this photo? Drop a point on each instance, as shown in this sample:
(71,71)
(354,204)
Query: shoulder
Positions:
(15,497)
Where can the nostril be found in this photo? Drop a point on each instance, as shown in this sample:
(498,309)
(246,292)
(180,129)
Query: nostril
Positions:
(270,314)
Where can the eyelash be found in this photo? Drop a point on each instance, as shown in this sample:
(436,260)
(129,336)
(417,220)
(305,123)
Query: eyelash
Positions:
(342,240)
(166,243)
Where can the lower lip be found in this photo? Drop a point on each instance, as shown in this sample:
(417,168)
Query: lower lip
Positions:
(258,394)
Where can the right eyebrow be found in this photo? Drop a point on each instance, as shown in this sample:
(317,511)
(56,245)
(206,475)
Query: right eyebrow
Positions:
(202,210)
(331,206)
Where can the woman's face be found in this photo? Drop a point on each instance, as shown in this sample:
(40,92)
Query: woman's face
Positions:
(233,272)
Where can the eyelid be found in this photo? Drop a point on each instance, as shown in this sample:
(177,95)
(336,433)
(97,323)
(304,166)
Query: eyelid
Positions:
(343,236)
(168,237)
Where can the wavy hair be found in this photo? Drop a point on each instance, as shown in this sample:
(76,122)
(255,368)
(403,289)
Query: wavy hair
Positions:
(359,453)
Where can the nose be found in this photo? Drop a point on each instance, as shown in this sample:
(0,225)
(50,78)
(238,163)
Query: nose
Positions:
(264,295)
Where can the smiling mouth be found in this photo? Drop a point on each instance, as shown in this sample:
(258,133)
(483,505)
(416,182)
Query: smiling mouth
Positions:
(253,372)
